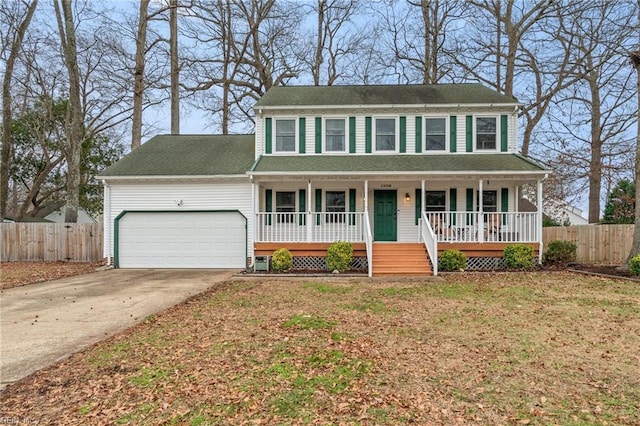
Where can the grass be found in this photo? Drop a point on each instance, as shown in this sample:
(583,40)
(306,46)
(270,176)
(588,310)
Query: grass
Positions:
(523,348)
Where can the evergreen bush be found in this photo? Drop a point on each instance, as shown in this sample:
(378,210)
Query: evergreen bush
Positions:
(452,260)
(560,252)
(339,256)
(281,260)
(634,265)
(518,256)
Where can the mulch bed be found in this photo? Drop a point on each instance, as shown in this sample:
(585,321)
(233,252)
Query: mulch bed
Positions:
(610,270)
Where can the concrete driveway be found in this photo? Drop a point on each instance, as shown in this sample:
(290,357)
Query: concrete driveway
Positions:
(43,323)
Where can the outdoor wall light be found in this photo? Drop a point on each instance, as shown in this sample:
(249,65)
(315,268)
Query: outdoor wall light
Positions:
(407,197)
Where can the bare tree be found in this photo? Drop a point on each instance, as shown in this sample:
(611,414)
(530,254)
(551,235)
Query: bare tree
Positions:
(336,39)
(635,246)
(21,19)
(175,68)
(593,116)
(250,46)
(416,39)
(138,75)
(74,121)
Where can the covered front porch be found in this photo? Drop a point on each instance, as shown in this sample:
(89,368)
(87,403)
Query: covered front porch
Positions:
(372,214)
(402,207)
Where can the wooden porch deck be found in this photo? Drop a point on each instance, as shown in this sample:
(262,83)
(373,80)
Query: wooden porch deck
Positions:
(305,249)
(482,249)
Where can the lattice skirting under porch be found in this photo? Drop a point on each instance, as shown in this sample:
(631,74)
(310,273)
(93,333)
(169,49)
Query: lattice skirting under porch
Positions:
(485,263)
(318,263)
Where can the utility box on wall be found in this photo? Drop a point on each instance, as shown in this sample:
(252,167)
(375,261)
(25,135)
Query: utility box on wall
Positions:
(262,263)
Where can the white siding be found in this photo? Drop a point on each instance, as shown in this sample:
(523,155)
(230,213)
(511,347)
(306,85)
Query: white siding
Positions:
(513,132)
(165,197)
(461,134)
(310,134)
(411,134)
(461,141)
(360,134)
(259,137)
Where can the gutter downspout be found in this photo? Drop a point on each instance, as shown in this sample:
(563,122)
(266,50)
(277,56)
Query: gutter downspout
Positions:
(107,221)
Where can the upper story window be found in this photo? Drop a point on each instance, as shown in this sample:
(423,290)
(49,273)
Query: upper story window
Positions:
(335,134)
(435,134)
(486,133)
(385,134)
(285,135)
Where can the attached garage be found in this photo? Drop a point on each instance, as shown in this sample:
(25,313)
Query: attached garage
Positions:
(181,239)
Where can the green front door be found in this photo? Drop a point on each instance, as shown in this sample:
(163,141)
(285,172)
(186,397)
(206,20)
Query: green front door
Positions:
(385,215)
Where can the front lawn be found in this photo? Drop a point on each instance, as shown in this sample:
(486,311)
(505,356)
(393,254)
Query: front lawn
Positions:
(519,348)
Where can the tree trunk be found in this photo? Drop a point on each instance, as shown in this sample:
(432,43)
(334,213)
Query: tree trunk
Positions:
(426,20)
(175,71)
(635,246)
(317,63)
(138,75)
(595,163)
(73,149)
(7,113)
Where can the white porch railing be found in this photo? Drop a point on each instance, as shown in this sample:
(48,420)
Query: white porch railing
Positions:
(368,240)
(512,227)
(318,227)
(446,226)
(430,241)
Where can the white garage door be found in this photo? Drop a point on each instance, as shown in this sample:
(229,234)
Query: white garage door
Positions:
(182,240)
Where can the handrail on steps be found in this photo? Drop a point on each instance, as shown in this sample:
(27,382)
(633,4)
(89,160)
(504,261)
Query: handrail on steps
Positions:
(430,241)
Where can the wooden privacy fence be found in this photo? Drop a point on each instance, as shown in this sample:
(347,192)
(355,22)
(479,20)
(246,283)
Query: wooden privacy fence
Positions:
(605,244)
(72,242)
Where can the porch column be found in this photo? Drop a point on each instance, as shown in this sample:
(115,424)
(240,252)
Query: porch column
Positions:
(366,196)
(309,215)
(517,198)
(539,219)
(480,214)
(255,209)
(423,203)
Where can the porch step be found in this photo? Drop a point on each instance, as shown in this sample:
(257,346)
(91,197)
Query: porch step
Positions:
(403,259)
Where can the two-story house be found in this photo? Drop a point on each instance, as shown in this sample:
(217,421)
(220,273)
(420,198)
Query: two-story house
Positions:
(402,172)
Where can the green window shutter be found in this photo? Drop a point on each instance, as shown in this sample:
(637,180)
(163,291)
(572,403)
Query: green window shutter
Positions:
(505,204)
(267,135)
(418,134)
(453,203)
(469,206)
(403,134)
(418,204)
(503,133)
(302,135)
(302,206)
(469,130)
(367,135)
(453,132)
(318,135)
(352,135)
(318,205)
(268,204)
(352,206)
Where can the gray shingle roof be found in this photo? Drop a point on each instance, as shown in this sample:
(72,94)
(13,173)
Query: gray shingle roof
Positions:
(188,155)
(470,93)
(396,163)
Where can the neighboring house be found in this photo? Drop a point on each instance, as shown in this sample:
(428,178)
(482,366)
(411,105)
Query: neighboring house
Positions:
(58,216)
(558,210)
(402,172)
